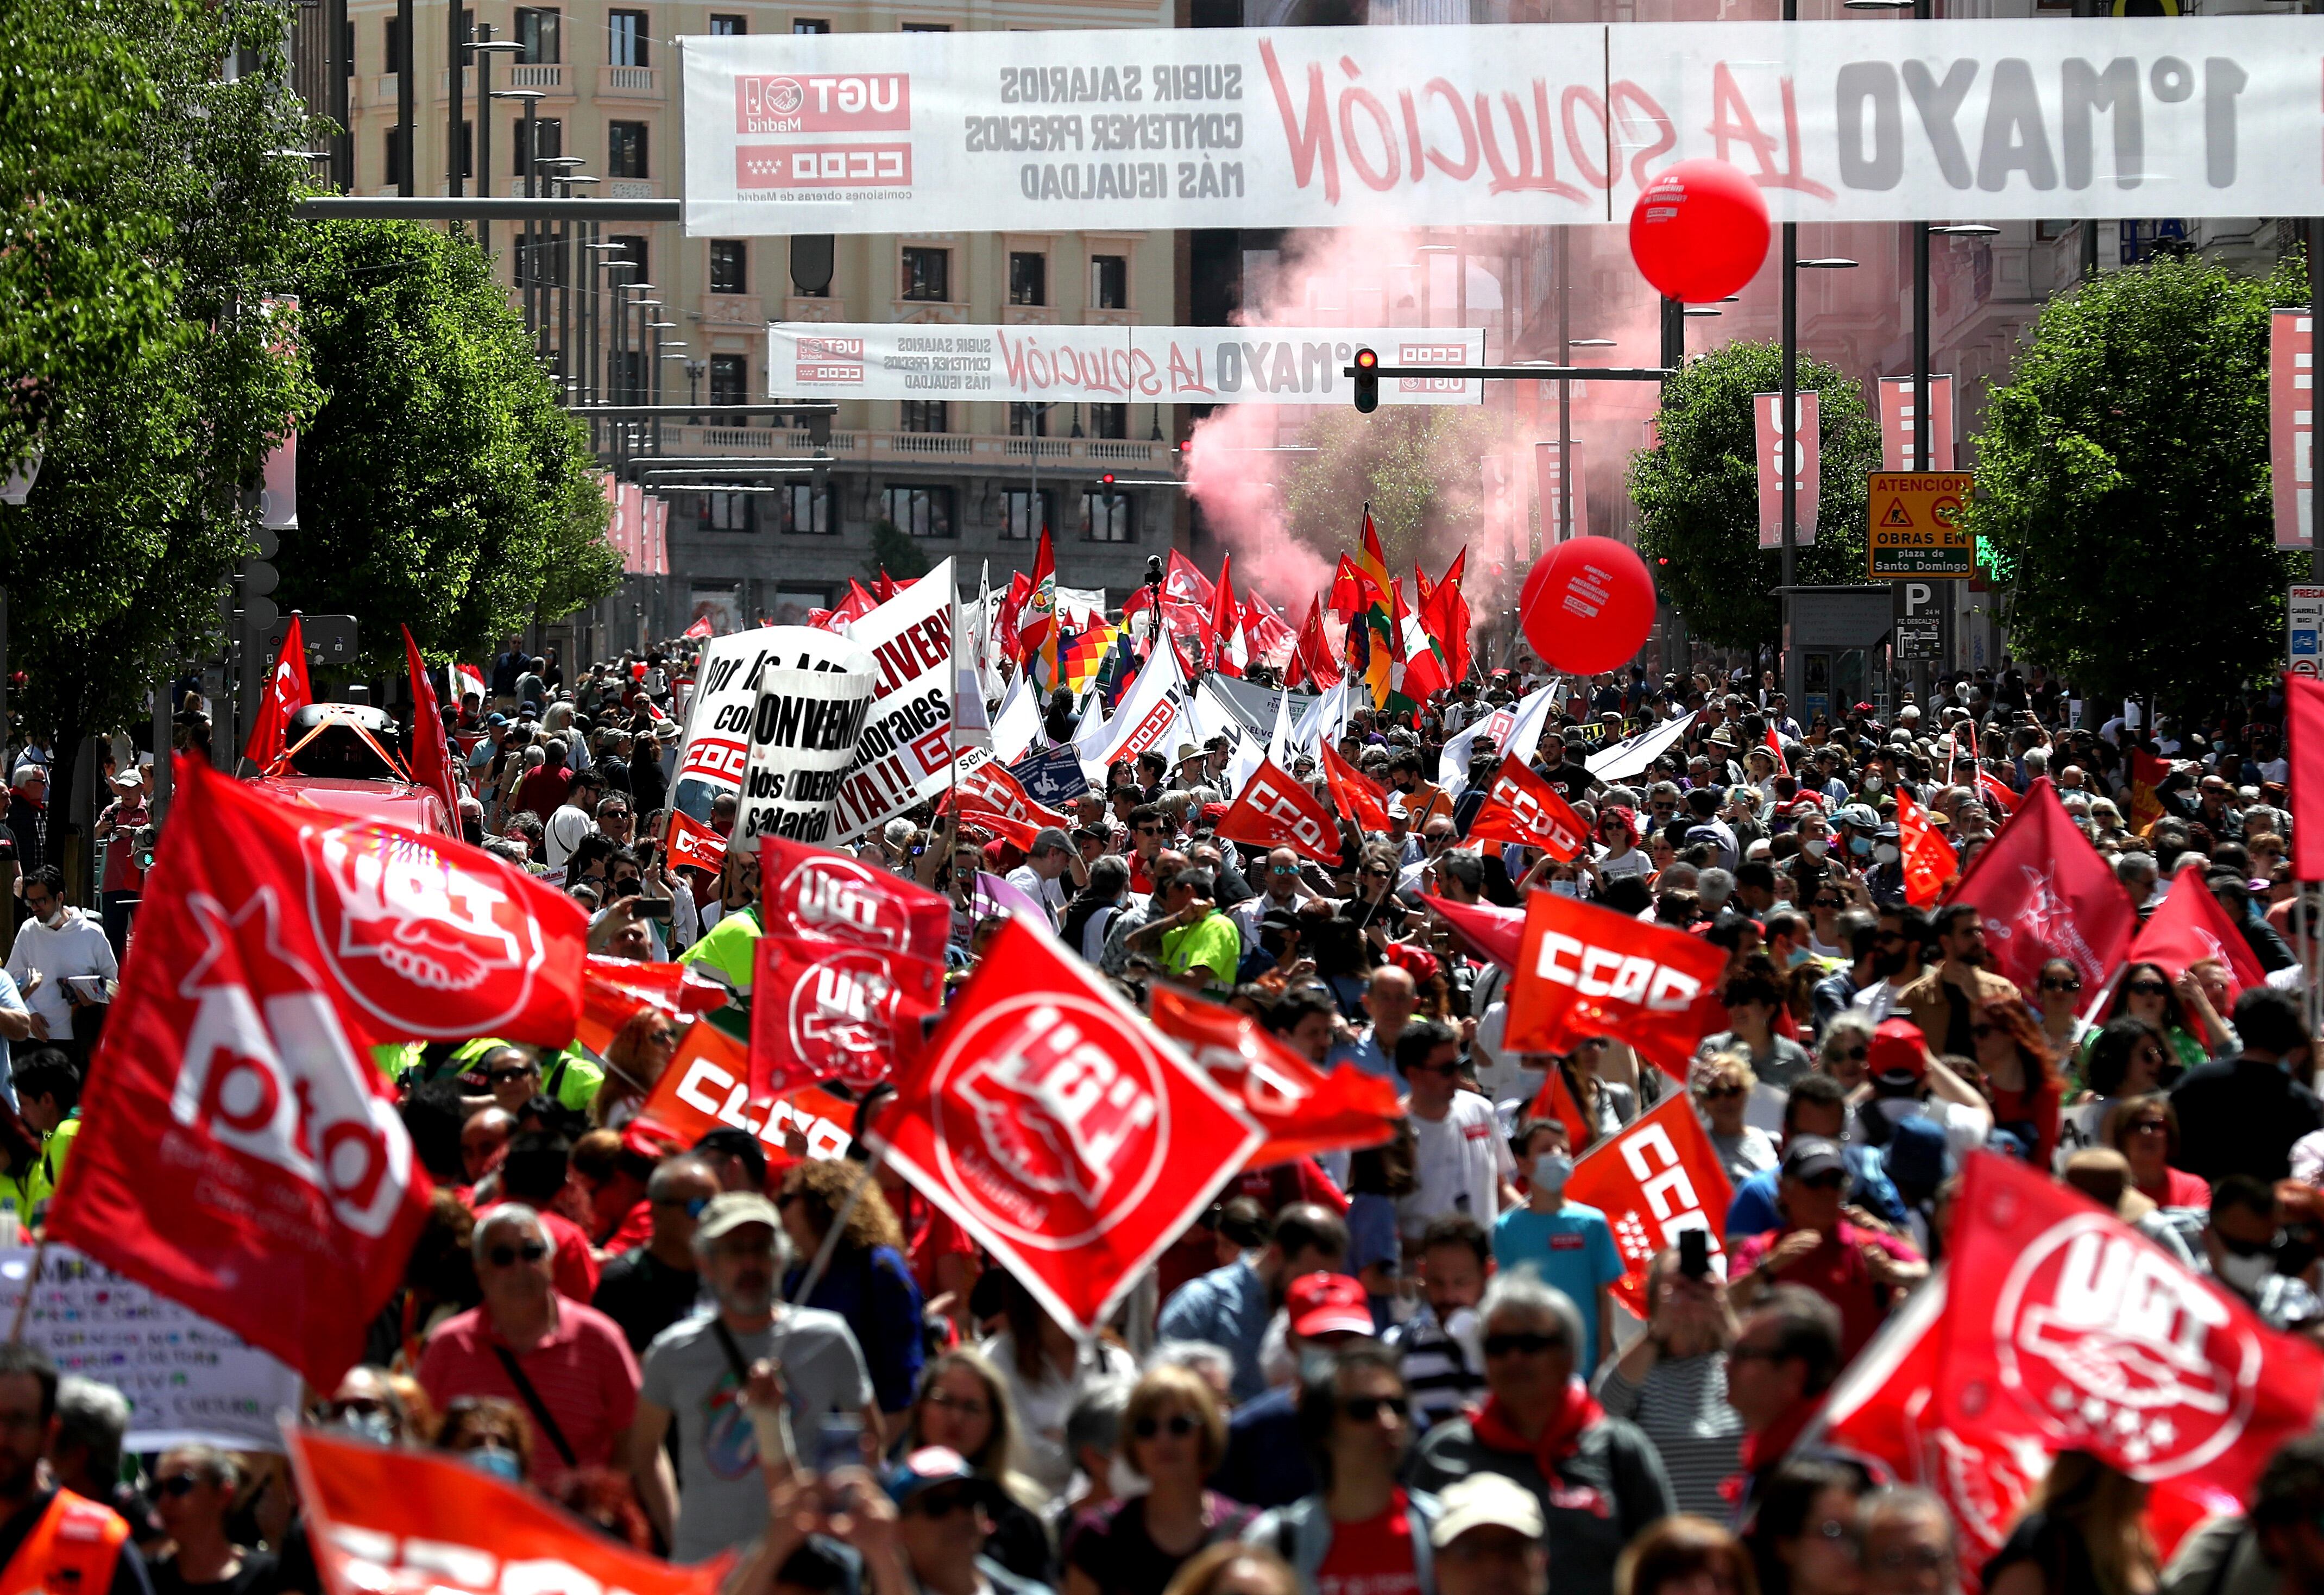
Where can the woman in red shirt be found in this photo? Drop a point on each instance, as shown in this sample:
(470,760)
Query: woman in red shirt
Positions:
(2021,1078)
(2146,1130)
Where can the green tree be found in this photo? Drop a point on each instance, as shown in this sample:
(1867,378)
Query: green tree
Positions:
(1697,492)
(441,484)
(1416,465)
(2124,488)
(116,568)
(896,552)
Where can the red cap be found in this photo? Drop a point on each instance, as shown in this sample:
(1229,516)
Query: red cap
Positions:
(1327,1304)
(1418,962)
(1899,1052)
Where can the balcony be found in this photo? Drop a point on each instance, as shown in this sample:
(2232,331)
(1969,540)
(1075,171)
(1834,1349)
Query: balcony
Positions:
(629,83)
(972,451)
(798,307)
(549,77)
(734,309)
(467,84)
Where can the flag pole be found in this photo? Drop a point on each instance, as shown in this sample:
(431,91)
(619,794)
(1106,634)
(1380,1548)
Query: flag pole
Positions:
(31,1278)
(830,1247)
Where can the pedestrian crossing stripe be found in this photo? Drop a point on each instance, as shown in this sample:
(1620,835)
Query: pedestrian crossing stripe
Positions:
(1896,515)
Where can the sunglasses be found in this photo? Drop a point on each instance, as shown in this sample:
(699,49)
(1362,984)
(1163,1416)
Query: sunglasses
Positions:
(1529,1345)
(1854,1055)
(1146,830)
(503,1076)
(944,1503)
(1829,1180)
(177,1484)
(1366,1409)
(1177,1425)
(1721,1093)
(1825,903)
(2148,988)
(505,1257)
(692,1205)
(614,814)
(2058,985)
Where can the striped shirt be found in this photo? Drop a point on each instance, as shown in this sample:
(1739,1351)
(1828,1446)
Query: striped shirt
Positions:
(1681,1407)
(1438,1374)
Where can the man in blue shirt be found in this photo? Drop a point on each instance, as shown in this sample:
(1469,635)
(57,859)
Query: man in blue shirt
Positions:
(1230,1306)
(1566,1244)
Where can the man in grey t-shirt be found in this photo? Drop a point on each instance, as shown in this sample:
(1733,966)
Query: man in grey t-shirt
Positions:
(695,1376)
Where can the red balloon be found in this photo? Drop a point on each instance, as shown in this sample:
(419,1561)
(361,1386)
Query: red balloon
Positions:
(1699,231)
(1588,605)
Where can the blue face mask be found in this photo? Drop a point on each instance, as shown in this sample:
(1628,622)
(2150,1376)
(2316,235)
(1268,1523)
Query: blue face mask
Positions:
(500,1463)
(1797,956)
(1860,845)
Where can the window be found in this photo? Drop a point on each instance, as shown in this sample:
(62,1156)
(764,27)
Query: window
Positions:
(626,149)
(730,266)
(626,373)
(920,511)
(926,28)
(923,415)
(1028,421)
(1105,520)
(1109,283)
(626,39)
(807,24)
(805,509)
(536,31)
(729,511)
(1109,420)
(394,157)
(1017,521)
(729,27)
(629,248)
(391,48)
(347,45)
(928,275)
(547,140)
(1028,279)
(730,379)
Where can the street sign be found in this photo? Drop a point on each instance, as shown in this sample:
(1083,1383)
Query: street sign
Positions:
(1916,529)
(330,640)
(1919,633)
(2303,615)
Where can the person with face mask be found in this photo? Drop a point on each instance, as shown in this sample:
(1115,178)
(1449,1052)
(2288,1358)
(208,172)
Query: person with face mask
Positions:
(2242,1245)
(1885,881)
(1564,1243)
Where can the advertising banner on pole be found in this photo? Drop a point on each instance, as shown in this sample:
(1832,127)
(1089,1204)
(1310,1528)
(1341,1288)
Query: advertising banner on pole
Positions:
(2303,615)
(1110,364)
(1898,434)
(1547,481)
(1805,458)
(2291,425)
(1508,124)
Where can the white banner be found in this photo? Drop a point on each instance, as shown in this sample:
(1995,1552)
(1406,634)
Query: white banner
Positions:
(905,750)
(189,1382)
(716,750)
(1110,364)
(810,709)
(1510,124)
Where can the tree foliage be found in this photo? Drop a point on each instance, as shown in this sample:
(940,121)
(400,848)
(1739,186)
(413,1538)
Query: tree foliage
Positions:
(896,552)
(1416,466)
(115,567)
(2125,484)
(441,483)
(1697,492)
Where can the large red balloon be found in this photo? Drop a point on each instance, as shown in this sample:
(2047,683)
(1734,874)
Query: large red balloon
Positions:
(1699,231)
(1588,605)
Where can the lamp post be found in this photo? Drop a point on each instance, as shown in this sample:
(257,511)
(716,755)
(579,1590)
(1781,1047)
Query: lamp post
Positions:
(529,98)
(556,244)
(658,328)
(483,48)
(1787,408)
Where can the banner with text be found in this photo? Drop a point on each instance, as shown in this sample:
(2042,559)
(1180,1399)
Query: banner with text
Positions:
(2291,425)
(809,710)
(1800,452)
(906,749)
(1111,365)
(1509,125)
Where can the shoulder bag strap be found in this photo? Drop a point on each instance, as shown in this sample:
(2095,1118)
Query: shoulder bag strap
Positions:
(535,1404)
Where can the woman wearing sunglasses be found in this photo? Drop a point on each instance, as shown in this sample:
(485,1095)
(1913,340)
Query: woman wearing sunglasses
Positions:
(1722,1090)
(2020,1079)
(2125,1058)
(2058,996)
(193,1489)
(2177,1008)
(2146,1131)
(1173,1437)
(1364,1531)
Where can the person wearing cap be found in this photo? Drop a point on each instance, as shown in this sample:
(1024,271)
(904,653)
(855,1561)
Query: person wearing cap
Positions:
(1042,876)
(1267,1465)
(1816,1106)
(1861,1272)
(934,1544)
(1945,1001)
(696,1372)
(1363,1532)
(123,878)
(1598,1480)
(1487,1539)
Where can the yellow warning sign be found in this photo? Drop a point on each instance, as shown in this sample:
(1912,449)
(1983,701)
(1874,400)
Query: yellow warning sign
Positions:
(1917,524)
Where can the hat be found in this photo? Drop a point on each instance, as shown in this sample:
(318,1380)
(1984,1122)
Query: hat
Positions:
(1282,919)
(1327,1304)
(1937,817)
(1886,832)
(1186,750)
(1900,1053)
(732,1210)
(1485,1500)
(1396,809)
(898,832)
(129,781)
(1212,813)
(1049,836)
(1860,814)
(1804,809)
(1808,1156)
(924,1469)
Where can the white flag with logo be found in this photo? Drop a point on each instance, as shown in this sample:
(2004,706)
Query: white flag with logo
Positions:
(1153,708)
(1515,730)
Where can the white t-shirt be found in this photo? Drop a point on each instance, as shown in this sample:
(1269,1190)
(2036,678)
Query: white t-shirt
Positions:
(1460,1161)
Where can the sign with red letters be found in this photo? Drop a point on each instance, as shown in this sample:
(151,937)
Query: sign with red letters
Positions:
(1659,1176)
(1524,808)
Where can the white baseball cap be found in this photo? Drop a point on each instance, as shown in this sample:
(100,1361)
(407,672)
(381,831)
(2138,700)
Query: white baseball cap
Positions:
(1485,1500)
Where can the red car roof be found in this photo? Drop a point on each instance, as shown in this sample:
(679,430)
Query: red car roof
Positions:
(394,803)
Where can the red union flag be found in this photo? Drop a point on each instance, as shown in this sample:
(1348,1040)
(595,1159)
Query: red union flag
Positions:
(1355,793)
(2304,725)
(285,694)
(1929,862)
(1586,971)
(394,1522)
(2067,1320)
(1524,808)
(1273,810)
(693,845)
(2043,892)
(239,1152)
(1070,1137)
(1656,1178)
(1302,1110)
(813,891)
(825,1010)
(2189,928)
(1489,934)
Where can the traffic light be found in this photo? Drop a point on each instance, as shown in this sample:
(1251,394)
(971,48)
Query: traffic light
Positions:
(1105,487)
(1367,382)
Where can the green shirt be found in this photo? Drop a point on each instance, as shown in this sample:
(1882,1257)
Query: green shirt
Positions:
(573,1078)
(1211,943)
(731,949)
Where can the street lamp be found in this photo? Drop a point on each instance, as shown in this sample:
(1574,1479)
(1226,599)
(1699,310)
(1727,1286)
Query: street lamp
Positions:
(529,98)
(484,47)
(1966,230)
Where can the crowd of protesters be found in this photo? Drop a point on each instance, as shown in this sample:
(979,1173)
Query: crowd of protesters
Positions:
(1397,1370)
